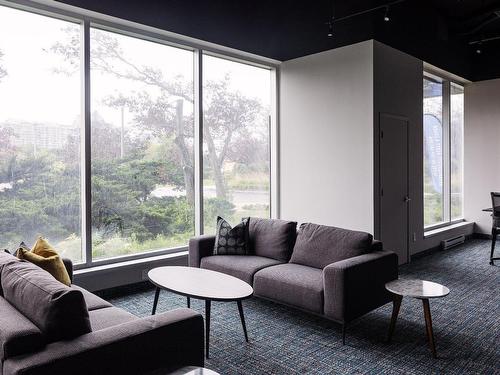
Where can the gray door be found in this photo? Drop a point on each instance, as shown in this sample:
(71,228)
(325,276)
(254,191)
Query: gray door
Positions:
(394,199)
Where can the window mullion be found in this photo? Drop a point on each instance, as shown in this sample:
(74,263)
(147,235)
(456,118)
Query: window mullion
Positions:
(87,173)
(446,152)
(198,141)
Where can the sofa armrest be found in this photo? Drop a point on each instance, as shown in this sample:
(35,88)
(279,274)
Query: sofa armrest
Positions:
(165,341)
(355,286)
(200,247)
(377,245)
(68,264)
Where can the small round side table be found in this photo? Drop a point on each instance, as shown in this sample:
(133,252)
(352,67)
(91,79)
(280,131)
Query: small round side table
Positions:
(419,289)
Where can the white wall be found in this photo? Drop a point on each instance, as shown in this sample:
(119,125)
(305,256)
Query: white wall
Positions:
(481,150)
(326,138)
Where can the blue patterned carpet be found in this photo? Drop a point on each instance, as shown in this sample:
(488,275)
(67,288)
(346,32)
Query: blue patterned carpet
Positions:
(286,341)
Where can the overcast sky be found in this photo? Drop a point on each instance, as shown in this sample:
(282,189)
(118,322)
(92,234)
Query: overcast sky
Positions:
(33,92)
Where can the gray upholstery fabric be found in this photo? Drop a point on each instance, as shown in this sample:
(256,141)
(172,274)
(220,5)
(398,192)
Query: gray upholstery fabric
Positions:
(17,334)
(272,238)
(5,258)
(241,266)
(92,301)
(292,284)
(377,246)
(108,317)
(58,311)
(165,341)
(200,247)
(68,264)
(319,245)
(356,286)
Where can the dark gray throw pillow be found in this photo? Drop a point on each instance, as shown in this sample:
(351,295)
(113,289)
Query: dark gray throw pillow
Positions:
(231,241)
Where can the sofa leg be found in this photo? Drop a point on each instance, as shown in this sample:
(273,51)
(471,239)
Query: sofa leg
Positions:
(343,333)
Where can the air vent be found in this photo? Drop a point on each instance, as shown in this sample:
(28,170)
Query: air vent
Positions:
(450,242)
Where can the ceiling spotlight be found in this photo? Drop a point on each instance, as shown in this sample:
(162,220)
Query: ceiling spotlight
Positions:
(386,15)
(330,28)
(479,49)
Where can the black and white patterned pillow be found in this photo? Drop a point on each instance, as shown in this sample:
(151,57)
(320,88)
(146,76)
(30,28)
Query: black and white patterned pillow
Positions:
(231,241)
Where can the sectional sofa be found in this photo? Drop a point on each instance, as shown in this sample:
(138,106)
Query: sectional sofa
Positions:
(337,273)
(49,328)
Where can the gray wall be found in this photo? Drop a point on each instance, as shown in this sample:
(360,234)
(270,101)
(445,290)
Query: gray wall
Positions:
(330,105)
(481,150)
(326,144)
(398,91)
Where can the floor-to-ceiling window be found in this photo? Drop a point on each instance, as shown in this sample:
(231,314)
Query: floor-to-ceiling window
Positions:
(40,133)
(99,132)
(443,104)
(456,151)
(142,145)
(236,140)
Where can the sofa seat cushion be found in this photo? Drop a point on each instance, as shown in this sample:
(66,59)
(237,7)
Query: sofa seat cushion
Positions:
(320,245)
(58,311)
(93,302)
(292,284)
(241,266)
(17,334)
(109,317)
(272,238)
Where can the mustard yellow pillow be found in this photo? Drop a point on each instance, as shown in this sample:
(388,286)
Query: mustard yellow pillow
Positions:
(44,256)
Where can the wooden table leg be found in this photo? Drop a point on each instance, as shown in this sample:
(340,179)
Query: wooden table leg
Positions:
(242,317)
(207,326)
(155,303)
(428,326)
(396,304)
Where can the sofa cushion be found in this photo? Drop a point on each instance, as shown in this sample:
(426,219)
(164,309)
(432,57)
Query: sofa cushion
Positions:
(17,334)
(92,301)
(109,317)
(5,258)
(241,266)
(58,311)
(272,238)
(292,284)
(320,245)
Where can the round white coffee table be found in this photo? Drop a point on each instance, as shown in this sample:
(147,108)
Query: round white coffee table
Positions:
(201,284)
(419,289)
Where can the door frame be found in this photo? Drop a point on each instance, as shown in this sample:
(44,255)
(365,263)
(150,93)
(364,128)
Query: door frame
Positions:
(377,181)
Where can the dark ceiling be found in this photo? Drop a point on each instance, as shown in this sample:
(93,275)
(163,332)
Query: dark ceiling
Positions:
(436,31)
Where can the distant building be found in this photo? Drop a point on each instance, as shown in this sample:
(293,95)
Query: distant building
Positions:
(41,135)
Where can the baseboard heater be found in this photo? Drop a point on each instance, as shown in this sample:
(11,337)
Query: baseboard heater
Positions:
(450,242)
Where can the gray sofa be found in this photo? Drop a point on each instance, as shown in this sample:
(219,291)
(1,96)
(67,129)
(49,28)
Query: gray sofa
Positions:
(336,273)
(49,328)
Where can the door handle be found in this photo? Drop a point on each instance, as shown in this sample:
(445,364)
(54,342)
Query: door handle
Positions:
(407,199)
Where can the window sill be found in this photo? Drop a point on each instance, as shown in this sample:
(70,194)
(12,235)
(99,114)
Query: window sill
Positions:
(128,263)
(437,231)
(127,272)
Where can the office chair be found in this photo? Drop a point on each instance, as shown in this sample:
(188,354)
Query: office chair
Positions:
(495,228)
